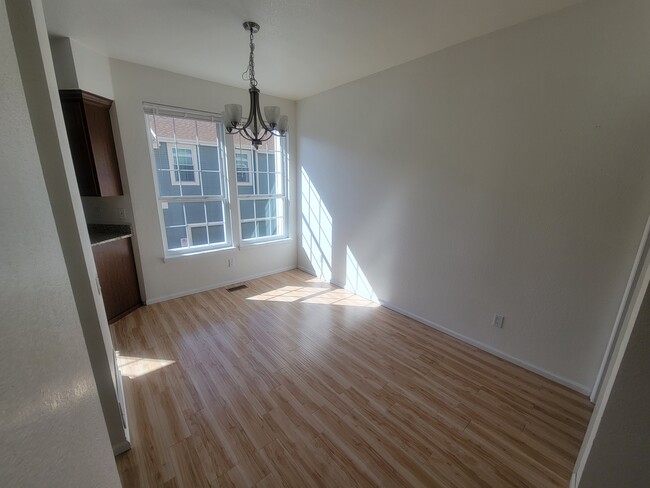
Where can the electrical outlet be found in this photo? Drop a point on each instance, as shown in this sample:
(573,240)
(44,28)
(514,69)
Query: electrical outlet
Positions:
(231,262)
(498,321)
(121,214)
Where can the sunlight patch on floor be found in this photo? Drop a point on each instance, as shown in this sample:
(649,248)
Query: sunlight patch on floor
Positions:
(134,367)
(288,294)
(342,297)
(314,295)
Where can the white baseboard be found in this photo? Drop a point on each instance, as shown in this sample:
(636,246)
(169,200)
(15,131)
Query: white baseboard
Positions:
(121,447)
(337,283)
(585,390)
(151,301)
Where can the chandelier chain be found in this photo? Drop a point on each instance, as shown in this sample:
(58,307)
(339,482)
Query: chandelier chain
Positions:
(249,73)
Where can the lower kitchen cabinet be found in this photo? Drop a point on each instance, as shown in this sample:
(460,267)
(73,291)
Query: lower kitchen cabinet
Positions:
(117,277)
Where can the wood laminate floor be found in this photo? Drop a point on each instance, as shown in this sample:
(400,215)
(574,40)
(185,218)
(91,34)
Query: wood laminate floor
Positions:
(292,382)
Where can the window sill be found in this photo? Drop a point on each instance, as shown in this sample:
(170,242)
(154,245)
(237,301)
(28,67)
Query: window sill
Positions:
(249,245)
(173,257)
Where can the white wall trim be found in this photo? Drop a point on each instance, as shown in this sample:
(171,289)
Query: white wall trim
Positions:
(151,301)
(585,390)
(121,447)
(626,302)
(308,271)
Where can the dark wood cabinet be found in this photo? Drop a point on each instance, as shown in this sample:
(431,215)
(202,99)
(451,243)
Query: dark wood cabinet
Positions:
(90,132)
(117,277)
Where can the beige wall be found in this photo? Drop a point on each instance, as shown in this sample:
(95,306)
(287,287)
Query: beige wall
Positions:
(134,84)
(52,432)
(508,175)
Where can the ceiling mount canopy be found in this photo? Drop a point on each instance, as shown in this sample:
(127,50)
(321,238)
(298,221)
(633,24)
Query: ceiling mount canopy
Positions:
(254,128)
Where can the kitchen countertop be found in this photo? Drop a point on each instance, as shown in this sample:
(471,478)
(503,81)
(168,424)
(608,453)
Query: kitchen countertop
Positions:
(103,233)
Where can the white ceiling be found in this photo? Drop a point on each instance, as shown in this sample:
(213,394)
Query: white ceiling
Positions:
(304,46)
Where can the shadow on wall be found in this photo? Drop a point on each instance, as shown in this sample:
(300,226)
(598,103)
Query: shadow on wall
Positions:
(316,231)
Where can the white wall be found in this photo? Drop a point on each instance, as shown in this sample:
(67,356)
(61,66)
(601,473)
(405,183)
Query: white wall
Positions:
(52,432)
(80,67)
(134,84)
(616,442)
(508,175)
(39,82)
(621,447)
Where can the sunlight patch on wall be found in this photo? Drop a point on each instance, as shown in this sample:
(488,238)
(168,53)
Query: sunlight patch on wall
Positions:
(134,367)
(355,279)
(316,230)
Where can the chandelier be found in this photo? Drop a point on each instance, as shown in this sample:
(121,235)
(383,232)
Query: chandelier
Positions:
(254,128)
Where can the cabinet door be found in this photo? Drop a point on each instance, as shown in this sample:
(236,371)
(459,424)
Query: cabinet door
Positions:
(82,157)
(90,132)
(117,277)
(100,133)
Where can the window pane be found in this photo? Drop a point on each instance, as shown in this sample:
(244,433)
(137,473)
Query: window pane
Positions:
(173,214)
(247,209)
(176,237)
(264,208)
(244,189)
(211,181)
(207,132)
(262,229)
(209,158)
(271,162)
(199,236)
(242,164)
(216,234)
(261,163)
(264,184)
(164,174)
(274,187)
(195,213)
(185,129)
(214,211)
(248,230)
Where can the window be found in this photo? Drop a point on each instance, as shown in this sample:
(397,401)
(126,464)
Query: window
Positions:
(183,164)
(262,189)
(188,157)
(244,167)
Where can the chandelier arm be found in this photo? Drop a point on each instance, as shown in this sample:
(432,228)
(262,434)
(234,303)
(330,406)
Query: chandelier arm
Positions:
(270,135)
(247,135)
(259,114)
(251,112)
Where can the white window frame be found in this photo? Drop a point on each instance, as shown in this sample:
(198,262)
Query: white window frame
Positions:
(164,201)
(282,213)
(249,171)
(171,145)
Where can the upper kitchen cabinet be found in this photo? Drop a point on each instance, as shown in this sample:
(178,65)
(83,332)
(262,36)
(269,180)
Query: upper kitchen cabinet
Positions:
(88,124)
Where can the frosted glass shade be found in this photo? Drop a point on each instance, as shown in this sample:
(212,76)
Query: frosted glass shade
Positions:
(232,114)
(272,114)
(283,123)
